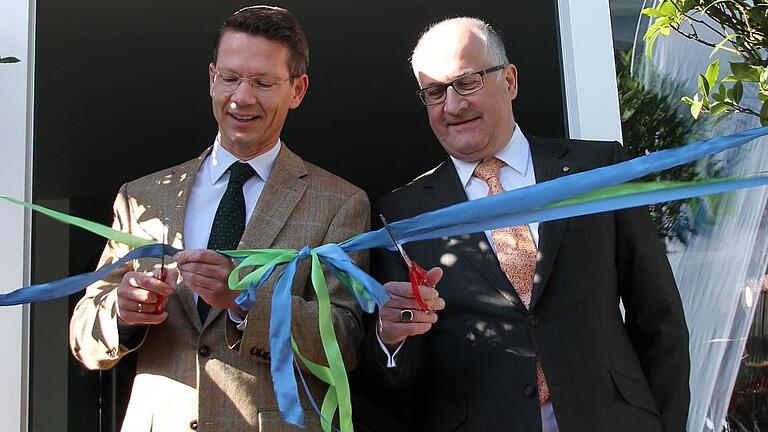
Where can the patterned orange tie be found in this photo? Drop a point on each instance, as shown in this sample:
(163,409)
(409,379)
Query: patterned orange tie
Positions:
(516,252)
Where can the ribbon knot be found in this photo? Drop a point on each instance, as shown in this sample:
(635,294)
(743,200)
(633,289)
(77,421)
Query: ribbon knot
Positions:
(304,253)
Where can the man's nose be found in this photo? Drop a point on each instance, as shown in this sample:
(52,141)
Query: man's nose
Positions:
(244,94)
(454,102)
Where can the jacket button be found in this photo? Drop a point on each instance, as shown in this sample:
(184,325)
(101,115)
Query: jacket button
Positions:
(529,390)
(257,351)
(204,350)
(533,320)
(193,424)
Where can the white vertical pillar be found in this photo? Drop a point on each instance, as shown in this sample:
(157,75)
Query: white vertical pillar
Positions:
(16,85)
(589,72)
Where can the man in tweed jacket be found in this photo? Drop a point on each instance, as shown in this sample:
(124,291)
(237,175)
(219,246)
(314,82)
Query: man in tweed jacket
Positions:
(210,371)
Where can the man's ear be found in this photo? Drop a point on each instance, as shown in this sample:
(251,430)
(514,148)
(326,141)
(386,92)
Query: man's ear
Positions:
(211,77)
(510,77)
(300,86)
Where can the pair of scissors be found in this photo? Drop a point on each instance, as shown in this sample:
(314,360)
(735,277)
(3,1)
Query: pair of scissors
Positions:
(416,274)
(163,268)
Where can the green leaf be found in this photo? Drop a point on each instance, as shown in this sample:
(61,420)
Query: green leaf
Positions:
(764,114)
(738,92)
(720,94)
(652,12)
(668,8)
(696,106)
(744,72)
(9,60)
(718,108)
(653,33)
(687,100)
(712,73)
(703,85)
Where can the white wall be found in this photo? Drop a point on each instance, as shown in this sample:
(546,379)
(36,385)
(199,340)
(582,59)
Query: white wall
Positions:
(592,102)
(16,26)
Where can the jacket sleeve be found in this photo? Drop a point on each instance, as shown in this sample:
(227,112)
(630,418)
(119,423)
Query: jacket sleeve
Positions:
(94,337)
(654,315)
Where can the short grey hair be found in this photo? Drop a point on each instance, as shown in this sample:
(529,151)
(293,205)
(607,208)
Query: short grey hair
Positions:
(494,45)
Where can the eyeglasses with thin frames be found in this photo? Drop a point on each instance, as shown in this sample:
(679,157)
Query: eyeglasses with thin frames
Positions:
(463,85)
(229,82)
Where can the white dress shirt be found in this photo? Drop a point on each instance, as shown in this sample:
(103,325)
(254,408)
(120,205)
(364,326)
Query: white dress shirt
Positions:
(517,173)
(211,183)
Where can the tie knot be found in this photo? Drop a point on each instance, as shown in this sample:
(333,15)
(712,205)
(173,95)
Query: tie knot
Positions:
(240,172)
(489,169)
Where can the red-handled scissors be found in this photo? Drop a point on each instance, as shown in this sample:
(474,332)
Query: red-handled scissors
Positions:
(163,268)
(163,272)
(416,274)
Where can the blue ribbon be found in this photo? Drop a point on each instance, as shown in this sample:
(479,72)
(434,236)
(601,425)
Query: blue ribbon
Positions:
(64,287)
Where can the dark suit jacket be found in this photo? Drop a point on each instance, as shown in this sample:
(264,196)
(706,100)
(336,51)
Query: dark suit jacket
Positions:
(475,370)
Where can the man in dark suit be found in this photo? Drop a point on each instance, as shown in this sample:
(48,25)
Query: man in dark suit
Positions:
(530,334)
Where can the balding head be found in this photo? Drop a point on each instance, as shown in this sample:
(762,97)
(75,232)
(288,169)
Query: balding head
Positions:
(468,87)
(439,43)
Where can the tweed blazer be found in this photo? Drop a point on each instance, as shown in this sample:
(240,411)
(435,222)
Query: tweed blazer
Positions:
(210,376)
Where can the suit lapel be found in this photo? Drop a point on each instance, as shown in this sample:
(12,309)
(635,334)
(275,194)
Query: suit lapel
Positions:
(548,164)
(282,192)
(174,189)
(445,189)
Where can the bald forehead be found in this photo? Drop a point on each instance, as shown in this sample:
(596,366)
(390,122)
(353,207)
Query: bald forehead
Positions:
(449,49)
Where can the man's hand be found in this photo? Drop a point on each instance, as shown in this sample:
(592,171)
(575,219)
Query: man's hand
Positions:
(206,272)
(137,297)
(394,324)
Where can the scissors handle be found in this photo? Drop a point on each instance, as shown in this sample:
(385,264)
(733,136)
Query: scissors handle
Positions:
(418,276)
(160,297)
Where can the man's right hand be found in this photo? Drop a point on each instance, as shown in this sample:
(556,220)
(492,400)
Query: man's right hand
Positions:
(393,329)
(137,297)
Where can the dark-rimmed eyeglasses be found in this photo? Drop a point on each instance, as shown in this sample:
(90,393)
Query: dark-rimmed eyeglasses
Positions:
(229,82)
(464,85)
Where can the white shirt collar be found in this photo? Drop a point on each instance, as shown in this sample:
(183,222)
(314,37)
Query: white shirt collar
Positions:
(515,154)
(220,159)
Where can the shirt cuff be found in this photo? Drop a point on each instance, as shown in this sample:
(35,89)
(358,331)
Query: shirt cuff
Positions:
(390,357)
(241,322)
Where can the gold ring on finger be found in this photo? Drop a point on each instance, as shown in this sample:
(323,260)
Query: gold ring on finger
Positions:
(406,315)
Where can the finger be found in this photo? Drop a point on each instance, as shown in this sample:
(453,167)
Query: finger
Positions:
(201,255)
(216,271)
(148,282)
(132,294)
(434,275)
(398,331)
(198,282)
(411,303)
(403,289)
(130,317)
(393,315)
(171,275)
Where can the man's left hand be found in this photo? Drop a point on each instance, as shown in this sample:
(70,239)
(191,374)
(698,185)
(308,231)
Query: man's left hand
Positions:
(206,272)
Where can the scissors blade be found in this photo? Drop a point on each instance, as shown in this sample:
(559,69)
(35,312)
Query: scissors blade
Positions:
(399,246)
